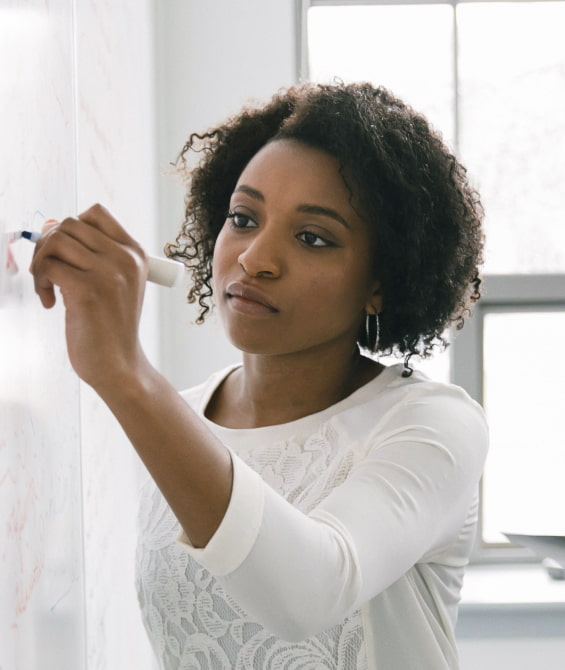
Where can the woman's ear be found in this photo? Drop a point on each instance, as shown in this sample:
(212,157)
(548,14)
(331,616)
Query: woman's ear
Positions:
(374,304)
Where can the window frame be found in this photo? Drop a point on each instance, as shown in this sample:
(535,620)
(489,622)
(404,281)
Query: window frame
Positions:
(500,292)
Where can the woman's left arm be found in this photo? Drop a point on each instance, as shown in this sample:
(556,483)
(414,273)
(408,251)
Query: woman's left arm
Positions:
(407,501)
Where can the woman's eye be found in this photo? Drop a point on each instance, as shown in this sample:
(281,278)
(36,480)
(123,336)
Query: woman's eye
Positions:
(238,220)
(313,240)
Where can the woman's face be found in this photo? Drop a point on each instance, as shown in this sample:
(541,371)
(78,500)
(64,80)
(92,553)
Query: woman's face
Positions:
(292,264)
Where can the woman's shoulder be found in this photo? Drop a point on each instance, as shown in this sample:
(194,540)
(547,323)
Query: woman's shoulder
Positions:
(442,397)
(394,387)
(395,404)
(395,382)
(419,410)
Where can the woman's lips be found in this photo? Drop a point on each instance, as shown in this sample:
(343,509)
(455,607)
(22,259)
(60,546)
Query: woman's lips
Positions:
(245,298)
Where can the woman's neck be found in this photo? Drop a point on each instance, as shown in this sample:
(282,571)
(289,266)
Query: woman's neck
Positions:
(270,390)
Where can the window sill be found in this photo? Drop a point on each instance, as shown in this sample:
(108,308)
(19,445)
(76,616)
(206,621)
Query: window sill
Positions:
(516,600)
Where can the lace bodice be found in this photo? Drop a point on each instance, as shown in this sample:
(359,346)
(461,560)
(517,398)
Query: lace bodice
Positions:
(192,622)
(356,521)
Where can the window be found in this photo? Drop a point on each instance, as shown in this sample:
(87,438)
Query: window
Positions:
(491,77)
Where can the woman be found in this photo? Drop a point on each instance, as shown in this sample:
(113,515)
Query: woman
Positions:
(313,508)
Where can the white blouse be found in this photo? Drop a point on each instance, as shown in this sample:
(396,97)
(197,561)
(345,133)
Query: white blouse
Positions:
(344,543)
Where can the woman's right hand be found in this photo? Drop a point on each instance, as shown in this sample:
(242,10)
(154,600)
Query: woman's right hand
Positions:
(101,272)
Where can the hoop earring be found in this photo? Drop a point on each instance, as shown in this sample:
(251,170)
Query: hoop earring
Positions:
(369,334)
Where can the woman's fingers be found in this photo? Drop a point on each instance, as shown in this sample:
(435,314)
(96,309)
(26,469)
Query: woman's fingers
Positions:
(111,239)
(92,243)
(101,273)
(54,272)
(100,219)
(48,225)
(56,253)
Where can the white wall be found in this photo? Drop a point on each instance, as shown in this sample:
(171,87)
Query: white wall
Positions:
(78,127)
(116,166)
(213,57)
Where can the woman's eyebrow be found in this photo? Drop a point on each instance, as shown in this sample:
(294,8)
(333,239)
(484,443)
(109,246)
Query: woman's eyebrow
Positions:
(323,211)
(318,210)
(251,192)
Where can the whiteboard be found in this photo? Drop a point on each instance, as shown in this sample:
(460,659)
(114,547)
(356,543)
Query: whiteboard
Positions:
(41,573)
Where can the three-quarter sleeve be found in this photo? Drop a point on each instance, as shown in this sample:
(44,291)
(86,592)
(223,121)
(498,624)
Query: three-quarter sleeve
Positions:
(405,501)
(238,531)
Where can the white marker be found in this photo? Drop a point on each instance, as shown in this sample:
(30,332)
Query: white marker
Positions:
(163,271)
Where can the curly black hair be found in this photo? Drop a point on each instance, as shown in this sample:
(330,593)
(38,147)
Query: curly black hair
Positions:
(415,194)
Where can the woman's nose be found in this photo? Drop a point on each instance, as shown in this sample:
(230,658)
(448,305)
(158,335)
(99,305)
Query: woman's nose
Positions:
(261,257)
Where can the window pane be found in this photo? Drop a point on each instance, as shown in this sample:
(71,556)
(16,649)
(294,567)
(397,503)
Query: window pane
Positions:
(524,398)
(512,128)
(406,48)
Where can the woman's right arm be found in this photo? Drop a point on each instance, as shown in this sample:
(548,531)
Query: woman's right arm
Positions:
(101,272)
